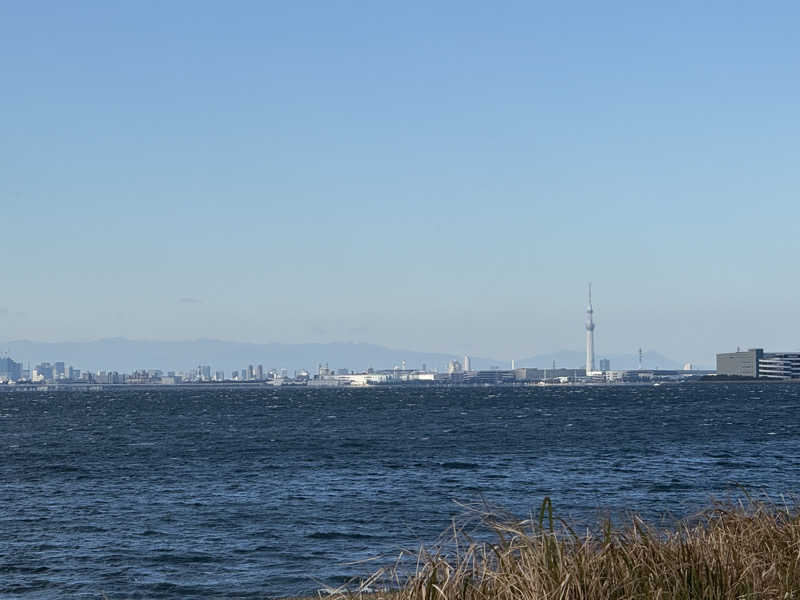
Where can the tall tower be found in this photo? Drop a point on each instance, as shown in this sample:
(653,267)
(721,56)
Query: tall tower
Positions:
(590,335)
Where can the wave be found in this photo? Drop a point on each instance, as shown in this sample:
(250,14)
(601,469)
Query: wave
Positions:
(339,535)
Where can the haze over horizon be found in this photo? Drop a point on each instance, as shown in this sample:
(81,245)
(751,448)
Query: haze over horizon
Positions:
(127,355)
(443,178)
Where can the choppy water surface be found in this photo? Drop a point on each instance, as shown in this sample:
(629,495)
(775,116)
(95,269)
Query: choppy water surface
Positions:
(245,493)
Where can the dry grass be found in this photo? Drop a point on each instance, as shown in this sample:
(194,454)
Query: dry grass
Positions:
(731,551)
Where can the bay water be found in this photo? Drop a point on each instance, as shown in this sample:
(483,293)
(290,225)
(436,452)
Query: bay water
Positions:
(261,493)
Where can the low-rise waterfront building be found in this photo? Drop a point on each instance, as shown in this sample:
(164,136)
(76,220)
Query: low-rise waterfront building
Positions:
(739,363)
(491,377)
(533,374)
(779,365)
(759,364)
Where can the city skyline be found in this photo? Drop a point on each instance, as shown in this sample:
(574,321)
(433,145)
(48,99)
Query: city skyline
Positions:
(443,177)
(124,355)
(16,376)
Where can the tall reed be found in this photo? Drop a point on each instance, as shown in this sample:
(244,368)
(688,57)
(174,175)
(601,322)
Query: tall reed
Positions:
(731,551)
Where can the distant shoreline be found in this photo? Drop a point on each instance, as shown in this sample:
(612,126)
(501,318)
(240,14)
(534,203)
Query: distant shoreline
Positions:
(84,387)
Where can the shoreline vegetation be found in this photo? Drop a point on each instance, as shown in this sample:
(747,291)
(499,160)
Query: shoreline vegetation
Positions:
(749,549)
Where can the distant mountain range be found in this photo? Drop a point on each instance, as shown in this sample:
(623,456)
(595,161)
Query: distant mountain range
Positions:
(569,359)
(125,355)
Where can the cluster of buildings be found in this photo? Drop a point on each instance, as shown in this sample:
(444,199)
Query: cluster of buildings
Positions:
(12,372)
(204,374)
(757,364)
(457,373)
(43,372)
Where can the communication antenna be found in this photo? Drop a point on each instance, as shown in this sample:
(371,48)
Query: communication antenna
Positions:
(640,359)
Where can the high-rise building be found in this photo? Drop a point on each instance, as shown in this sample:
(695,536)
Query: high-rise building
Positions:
(590,335)
(467,365)
(10,370)
(44,372)
(260,372)
(605,364)
(454,367)
(58,370)
(251,372)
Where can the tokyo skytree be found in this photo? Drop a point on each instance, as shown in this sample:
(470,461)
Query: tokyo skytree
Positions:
(590,335)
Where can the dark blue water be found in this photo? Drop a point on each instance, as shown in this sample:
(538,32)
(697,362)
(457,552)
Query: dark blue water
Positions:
(255,494)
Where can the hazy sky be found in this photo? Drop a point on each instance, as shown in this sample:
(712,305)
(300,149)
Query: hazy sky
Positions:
(439,176)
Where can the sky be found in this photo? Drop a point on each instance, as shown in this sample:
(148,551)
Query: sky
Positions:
(441,177)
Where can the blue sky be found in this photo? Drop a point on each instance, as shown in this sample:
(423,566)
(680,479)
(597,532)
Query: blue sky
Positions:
(435,176)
